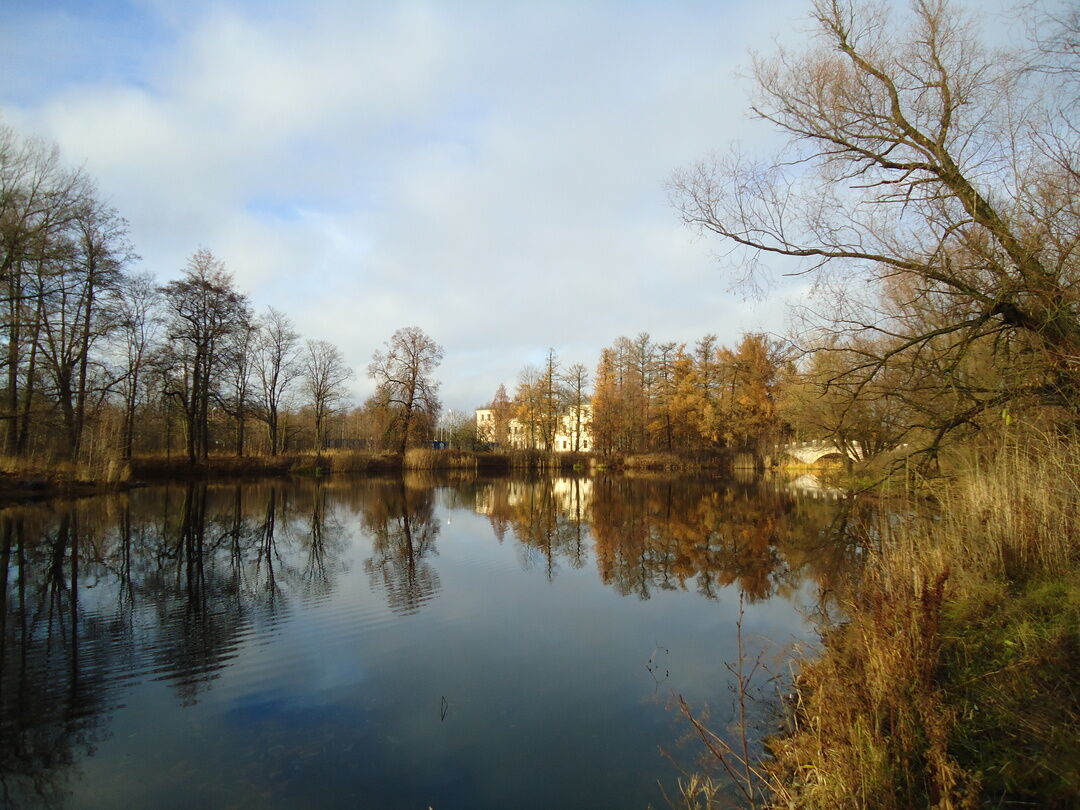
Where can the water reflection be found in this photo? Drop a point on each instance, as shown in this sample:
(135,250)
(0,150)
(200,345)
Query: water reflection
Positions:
(157,584)
(669,533)
(548,517)
(172,584)
(403,528)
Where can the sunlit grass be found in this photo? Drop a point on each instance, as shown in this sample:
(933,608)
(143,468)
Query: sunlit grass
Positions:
(953,677)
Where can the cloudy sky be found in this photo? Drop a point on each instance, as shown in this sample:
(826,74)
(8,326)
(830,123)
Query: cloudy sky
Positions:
(491,172)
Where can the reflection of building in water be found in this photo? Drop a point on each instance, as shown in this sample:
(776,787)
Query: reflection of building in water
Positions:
(506,493)
(484,500)
(573,432)
(572,496)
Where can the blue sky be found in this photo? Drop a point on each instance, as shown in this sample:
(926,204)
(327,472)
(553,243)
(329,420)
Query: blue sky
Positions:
(491,172)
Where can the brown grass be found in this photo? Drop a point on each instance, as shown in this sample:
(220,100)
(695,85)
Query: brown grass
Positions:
(41,473)
(421,458)
(158,466)
(542,460)
(656,461)
(360,461)
(883,716)
(334,461)
(952,679)
(694,461)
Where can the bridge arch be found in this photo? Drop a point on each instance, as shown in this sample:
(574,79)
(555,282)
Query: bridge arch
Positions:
(813,451)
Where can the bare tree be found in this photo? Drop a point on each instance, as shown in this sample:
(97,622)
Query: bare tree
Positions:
(138,327)
(86,267)
(550,398)
(325,376)
(575,381)
(403,374)
(235,397)
(38,201)
(921,162)
(204,309)
(278,366)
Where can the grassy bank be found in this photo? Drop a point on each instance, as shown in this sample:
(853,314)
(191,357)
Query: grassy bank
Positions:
(953,680)
(22,478)
(704,461)
(519,460)
(354,461)
(29,476)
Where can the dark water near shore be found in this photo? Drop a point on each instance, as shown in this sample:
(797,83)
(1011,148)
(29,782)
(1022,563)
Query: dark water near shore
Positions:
(388,643)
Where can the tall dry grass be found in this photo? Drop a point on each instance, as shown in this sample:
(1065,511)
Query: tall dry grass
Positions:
(953,679)
(1017,514)
(361,461)
(893,712)
(659,462)
(421,458)
(47,472)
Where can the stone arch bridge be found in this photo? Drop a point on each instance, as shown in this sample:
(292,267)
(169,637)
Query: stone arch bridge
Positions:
(813,451)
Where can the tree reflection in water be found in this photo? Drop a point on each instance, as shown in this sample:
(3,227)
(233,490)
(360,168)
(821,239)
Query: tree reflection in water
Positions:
(167,583)
(403,529)
(51,696)
(670,533)
(187,566)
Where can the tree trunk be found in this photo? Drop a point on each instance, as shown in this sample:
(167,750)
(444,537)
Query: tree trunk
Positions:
(11,438)
(84,354)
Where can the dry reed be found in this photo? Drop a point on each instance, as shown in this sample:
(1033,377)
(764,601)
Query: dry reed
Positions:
(951,681)
(887,717)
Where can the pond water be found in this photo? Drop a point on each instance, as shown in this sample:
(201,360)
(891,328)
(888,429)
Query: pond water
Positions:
(389,643)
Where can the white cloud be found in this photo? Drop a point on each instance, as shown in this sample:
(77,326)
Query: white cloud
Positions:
(492,173)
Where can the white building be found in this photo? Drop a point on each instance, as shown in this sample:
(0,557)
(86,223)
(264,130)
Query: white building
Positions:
(573,432)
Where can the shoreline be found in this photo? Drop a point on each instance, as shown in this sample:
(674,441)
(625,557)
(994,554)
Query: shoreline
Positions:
(33,481)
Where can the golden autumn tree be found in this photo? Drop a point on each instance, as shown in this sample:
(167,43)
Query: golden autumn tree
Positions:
(755,372)
(606,405)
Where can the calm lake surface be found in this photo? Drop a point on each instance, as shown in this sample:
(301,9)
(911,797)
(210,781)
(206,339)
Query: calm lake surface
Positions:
(397,643)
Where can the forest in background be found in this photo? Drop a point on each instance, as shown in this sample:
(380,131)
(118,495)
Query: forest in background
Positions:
(101,362)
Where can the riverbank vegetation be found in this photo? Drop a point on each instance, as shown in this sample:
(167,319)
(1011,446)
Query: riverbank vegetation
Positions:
(951,679)
(107,369)
(947,674)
